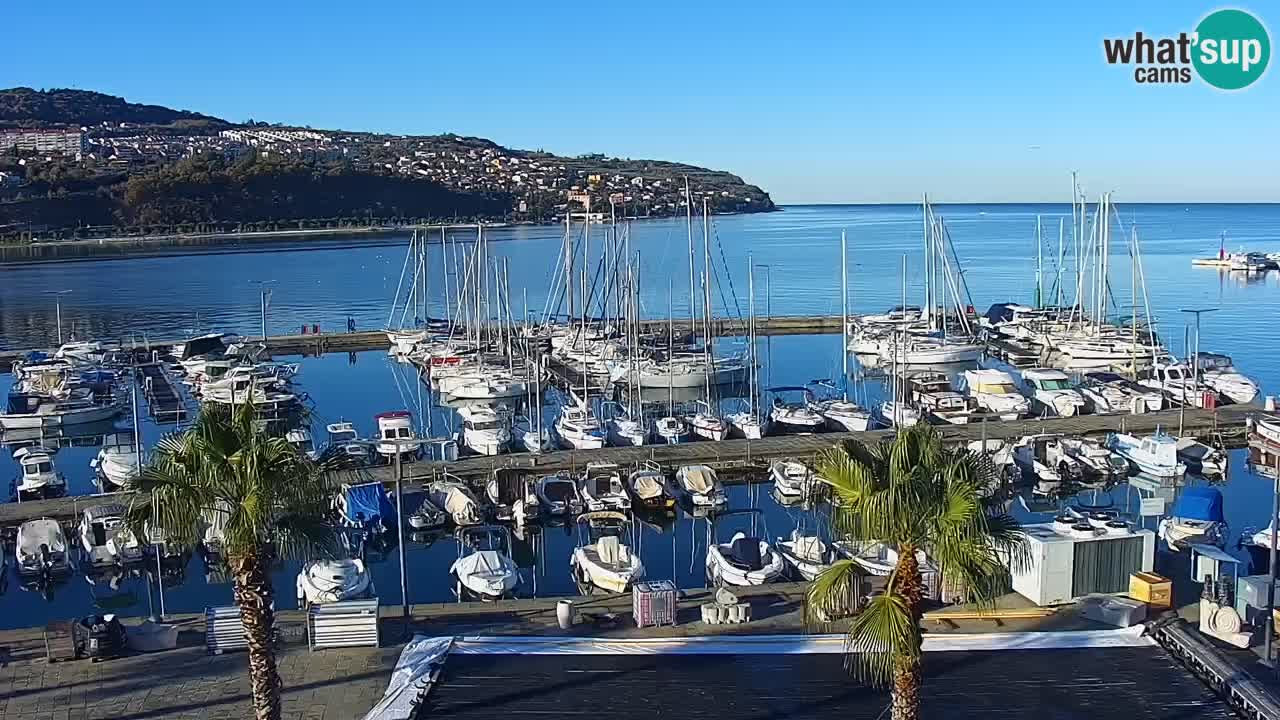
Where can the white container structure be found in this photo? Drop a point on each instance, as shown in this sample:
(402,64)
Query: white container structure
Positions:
(1067,564)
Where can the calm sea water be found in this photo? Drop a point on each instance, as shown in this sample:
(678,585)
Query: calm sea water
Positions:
(796,254)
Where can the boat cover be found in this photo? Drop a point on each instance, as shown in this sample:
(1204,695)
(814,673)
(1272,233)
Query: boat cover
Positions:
(745,552)
(34,533)
(699,479)
(415,670)
(456,501)
(367,503)
(1199,503)
(647,485)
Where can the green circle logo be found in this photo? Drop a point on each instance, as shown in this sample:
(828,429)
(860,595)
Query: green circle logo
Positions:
(1232,49)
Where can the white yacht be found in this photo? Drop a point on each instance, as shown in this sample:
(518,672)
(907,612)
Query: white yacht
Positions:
(484,430)
(623,431)
(37,478)
(1052,392)
(807,555)
(1156,455)
(530,437)
(792,478)
(511,496)
(300,438)
(708,427)
(842,415)
(746,424)
(995,392)
(396,435)
(1178,383)
(898,414)
(931,393)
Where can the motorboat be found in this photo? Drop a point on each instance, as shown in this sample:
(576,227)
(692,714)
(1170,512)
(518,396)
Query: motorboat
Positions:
(1108,392)
(603,560)
(708,426)
(601,488)
(649,489)
(396,436)
(1196,518)
(792,411)
(808,556)
(41,548)
(345,442)
(1219,372)
(792,478)
(428,516)
(931,393)
(484,430)
(995,392)
(558,495)
(328,581)
(28,411)
(1053,393)
(876,558)
(1202,458)
(365,507)
(529,438)
(212,532)
(898,414)
(484,568)
(38,477)
(579,429)
(511,496)
(702,485)
(403,342)
(1031,455)
(743,561)
(1000,454)
(1178,383)
(117,465)
(842,415)
(303,442)
(746,424)
(1155,455)
(1266,428)
(105,539)
(1089,457)
(670,430)
(623,431)
(457,500)
(89,352)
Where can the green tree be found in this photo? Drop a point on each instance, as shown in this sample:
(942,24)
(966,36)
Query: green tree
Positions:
(273,500)
(921,499)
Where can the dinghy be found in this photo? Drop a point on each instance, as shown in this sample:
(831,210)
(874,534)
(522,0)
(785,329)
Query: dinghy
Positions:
(1196,518)
(602,489)
(484,568)
(743,561)
(649,488)
(702,485)
(457,500)
(558,495)
(603,561)
(41,548)
(330,581)
(806,555)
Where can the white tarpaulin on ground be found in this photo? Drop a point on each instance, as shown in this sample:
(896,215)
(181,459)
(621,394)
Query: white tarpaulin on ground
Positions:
(416,669)
(792,644)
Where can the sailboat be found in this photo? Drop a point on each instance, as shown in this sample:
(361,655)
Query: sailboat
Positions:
(747,422)
(842,414)
(404,338)
(578,428)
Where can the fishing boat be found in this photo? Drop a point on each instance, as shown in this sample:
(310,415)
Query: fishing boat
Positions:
(602,560)
(995,392)
(38,478)
(702,485)
(1219,373)
(743,561)
(579,429)
(457,500)
(396,436)
(792,412)
(511,496)
(484,568)
(1196,518)
(808,556)
(1155,455)
(792,478)
(558,495)
(40,548)
(328,581)
(670,430)
(428,516)
(649,489)
(601,488)
(31,411)
(484,430)
(1053,393)
(105,539)
(1266,428)
(1202,458)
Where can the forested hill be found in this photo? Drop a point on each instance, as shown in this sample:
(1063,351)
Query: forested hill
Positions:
(25,107)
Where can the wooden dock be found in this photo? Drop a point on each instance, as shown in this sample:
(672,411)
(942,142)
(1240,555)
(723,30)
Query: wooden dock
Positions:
(735,457)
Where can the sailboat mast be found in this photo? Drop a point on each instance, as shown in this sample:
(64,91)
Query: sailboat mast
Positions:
(751,336)
(1061,234)
(708,346)
(1039,265)
(444,271)
(688,206)
(844,316)
(926,228)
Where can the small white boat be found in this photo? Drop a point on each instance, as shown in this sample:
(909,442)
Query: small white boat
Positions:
(807,555)
(484,567)
(1155,455)
(743,561)
(1031,455)
(670,430)
(330,581)
(702,485)
(303,442)
(877,558)
(1053,393)
(457,500)
(511,496)
(396,435)
(579,429)
(603,561)
(484,430)
(1219,372)
(995,392)
(558,495)
(32,411)
(1109,392)
(792,478)
(41,548)
(601,488)
(648,486)
(708,426)
(625,432)
(1202,458)
(38,477)
(1266,428)
(116,465)
(345,440)
(428,516)
(843,415)
(491,385)
(897,414)
(105,540)
(403,342)
(746,424)
(796,415)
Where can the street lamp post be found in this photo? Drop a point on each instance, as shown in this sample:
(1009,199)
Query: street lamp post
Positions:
(265,297)
(1195,368)
(404,578)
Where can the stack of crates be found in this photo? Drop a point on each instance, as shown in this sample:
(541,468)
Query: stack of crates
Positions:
(653,603)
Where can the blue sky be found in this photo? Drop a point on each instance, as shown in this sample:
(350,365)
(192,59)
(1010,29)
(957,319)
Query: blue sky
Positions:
(814,101)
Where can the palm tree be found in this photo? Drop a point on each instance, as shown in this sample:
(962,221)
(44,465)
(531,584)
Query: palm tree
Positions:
(272,499)
(916,496)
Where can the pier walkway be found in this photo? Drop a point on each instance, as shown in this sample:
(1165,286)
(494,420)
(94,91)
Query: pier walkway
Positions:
(1226,425)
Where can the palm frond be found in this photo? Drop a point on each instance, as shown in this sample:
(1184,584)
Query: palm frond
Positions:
(833,594)
(881,633)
